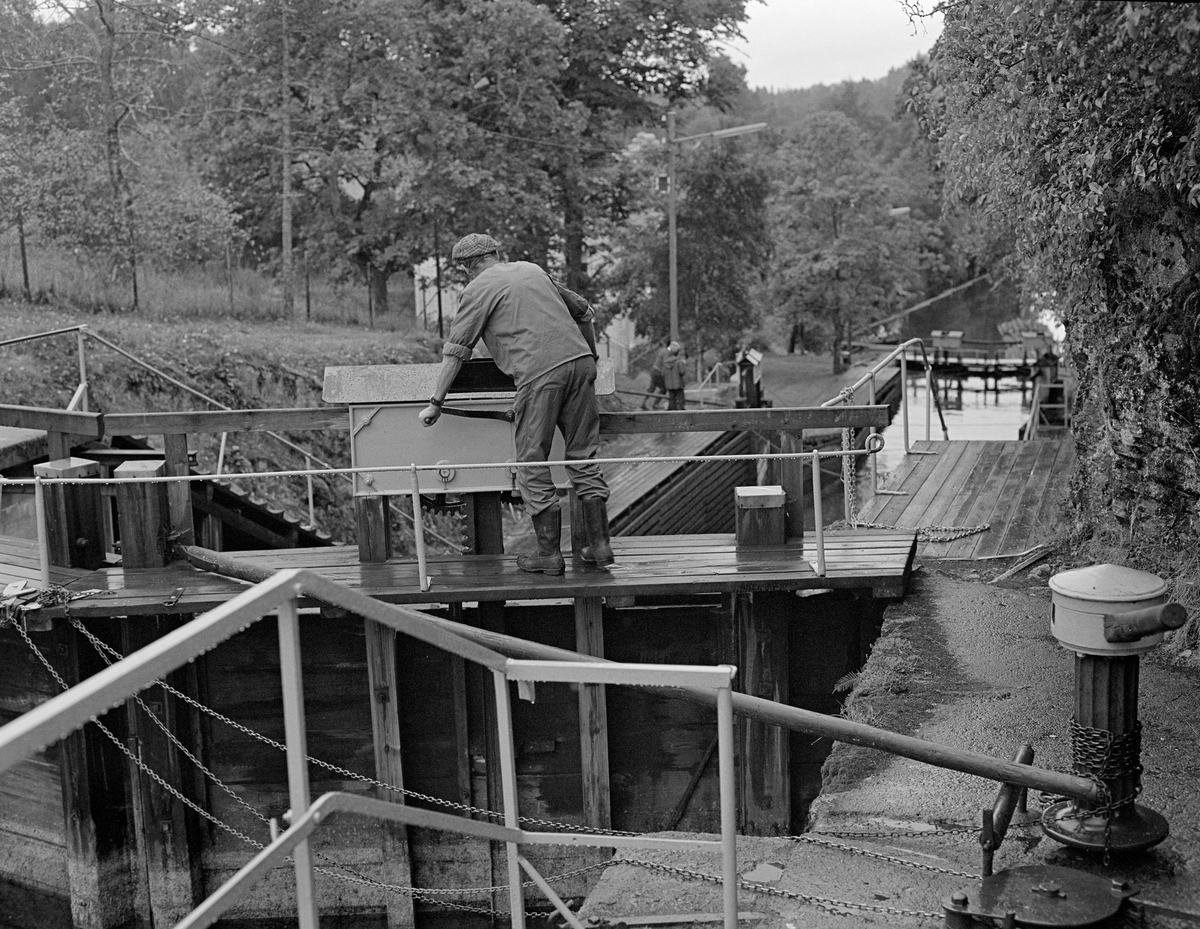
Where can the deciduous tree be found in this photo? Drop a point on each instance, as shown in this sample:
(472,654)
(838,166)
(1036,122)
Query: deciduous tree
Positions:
(1075,126)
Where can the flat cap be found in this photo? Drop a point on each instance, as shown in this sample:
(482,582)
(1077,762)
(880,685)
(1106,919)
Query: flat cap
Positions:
(474,245)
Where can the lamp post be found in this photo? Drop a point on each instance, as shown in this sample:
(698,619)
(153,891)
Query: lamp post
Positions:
(672,246)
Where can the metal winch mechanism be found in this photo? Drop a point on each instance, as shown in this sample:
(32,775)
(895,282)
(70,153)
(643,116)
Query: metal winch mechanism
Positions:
(1108,616)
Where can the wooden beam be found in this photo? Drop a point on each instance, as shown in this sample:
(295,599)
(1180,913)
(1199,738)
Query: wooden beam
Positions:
(374,529)
(168,838)
(788,419)
(213,421)
(99,884)
(385,726)
(593,718)
(763,757)
(88,425)
(791,478)
(179,493)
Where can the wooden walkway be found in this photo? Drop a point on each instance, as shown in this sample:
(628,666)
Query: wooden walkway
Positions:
(680,566)
(1017,488)
(19,562)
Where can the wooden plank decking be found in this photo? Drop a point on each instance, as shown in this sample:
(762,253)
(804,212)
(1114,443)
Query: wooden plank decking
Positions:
(876,560)
(19,562)
(1017,488)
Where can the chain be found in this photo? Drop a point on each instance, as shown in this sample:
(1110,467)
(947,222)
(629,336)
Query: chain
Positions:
(836,907)
(345,772)
(427,895)
(813,840)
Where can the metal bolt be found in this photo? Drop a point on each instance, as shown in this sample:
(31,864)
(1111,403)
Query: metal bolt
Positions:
(958,899)
(1119,886)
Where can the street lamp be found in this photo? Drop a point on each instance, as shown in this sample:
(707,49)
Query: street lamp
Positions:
(671,243)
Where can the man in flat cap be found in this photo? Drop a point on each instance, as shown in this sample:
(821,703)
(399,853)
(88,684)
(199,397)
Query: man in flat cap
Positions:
(540,334)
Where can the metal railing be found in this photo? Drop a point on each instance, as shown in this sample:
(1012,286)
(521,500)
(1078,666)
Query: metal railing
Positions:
(281,596)
(846,397)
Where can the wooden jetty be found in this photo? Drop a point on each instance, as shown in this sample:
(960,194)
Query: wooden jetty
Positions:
(1015,488)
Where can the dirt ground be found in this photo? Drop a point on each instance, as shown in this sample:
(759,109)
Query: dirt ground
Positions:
(970,664)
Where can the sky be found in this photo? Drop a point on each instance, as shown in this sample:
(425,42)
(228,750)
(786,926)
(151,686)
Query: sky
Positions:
(798,43)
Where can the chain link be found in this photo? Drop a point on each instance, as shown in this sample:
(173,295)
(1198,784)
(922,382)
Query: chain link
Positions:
(426,895)
(867,853)
(829,905)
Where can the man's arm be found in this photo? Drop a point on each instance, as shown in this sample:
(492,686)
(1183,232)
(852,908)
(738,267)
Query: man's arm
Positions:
(451,365)
(581,311)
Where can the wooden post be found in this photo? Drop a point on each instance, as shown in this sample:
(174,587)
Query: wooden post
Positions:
(143,515)
(485,529)
(374,529)
(179,493)
(58,445)
(74,527)
(791,478)
(593,718)
(168,835)
(764,770)
(169,838)
(102,889)
(385,725)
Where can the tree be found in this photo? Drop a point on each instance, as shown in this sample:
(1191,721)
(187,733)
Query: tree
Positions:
(1075,127)
(622,63)
(841,258)
(723,247)
(403,113)
(86,76)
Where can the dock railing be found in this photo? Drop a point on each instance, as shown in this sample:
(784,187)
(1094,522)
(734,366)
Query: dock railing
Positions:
(281,596)
(847,397)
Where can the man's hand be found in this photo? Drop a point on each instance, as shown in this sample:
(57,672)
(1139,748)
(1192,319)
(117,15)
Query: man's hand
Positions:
(429,415)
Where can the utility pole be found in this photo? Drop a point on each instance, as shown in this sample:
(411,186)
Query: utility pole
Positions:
(286,144)
(672,239)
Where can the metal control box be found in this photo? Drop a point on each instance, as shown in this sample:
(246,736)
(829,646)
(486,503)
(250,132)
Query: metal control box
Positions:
(385,432)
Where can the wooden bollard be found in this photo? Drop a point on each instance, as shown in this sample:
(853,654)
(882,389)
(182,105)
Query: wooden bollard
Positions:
(74,529)
(143,515)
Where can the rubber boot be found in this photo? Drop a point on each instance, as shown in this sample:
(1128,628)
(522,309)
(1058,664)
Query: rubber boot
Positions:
(547,526)
(595,521)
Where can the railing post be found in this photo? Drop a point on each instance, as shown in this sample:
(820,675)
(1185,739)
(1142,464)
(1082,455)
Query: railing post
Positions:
(508,778)
(729,874)
(904,398)
(818,514)
(79,334)
(297,757)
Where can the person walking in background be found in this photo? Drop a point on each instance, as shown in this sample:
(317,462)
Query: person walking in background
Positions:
(674,375)
(657,385)
(540,334)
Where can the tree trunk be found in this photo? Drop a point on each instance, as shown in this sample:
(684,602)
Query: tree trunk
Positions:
(377,281)
(115,113)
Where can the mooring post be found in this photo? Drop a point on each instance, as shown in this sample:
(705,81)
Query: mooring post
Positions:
(74,528)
